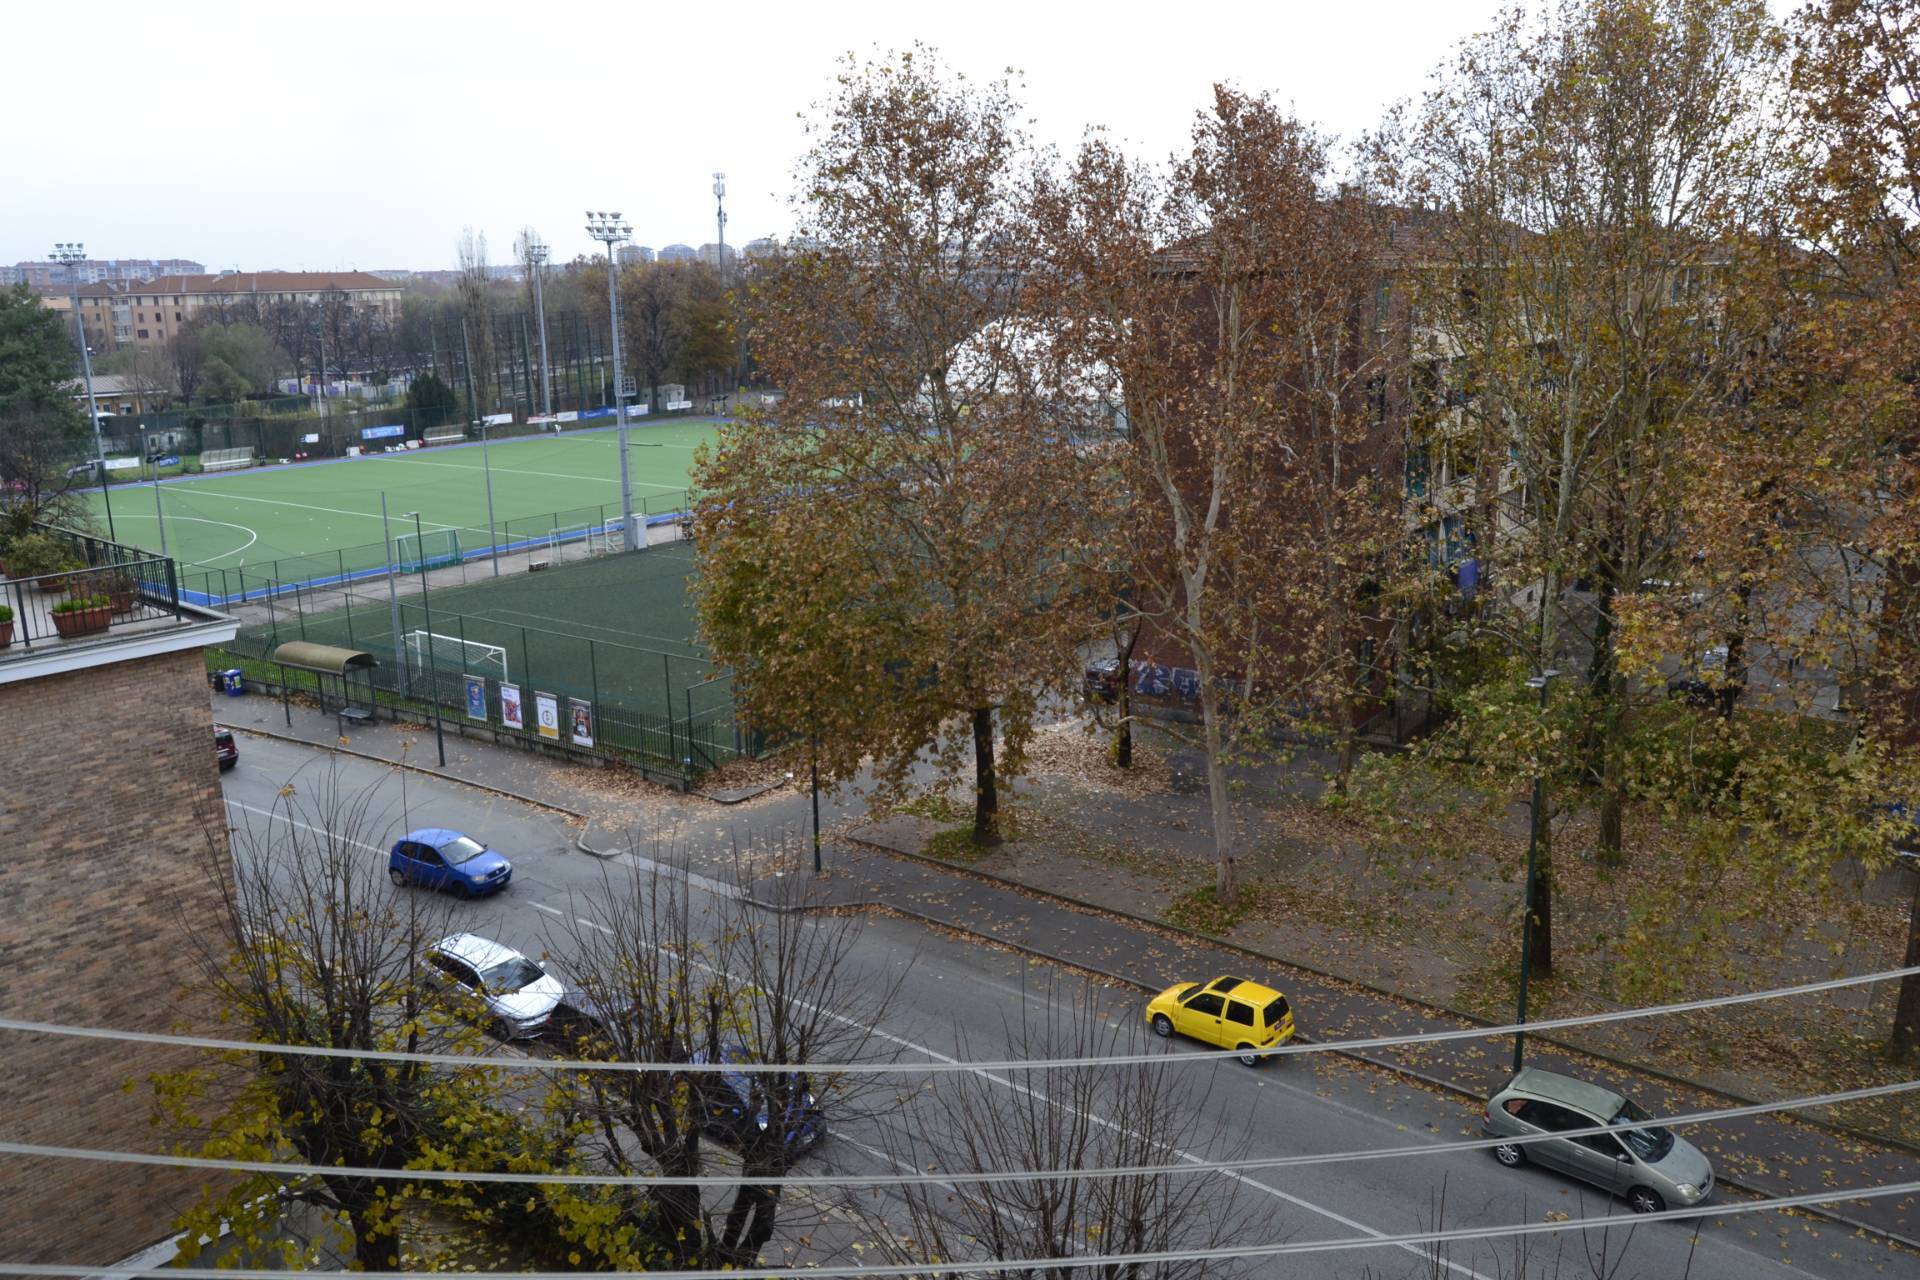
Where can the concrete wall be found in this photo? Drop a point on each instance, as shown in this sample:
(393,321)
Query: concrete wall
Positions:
(106,776)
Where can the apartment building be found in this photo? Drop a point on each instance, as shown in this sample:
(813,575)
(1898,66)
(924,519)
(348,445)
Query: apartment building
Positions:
(148,312)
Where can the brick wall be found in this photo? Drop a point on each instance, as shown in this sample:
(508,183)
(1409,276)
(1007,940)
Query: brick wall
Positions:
(105,778)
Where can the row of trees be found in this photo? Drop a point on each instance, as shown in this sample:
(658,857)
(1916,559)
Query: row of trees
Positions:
(1595,361)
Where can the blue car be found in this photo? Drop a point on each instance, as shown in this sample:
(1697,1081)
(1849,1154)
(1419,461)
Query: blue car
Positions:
(436,858)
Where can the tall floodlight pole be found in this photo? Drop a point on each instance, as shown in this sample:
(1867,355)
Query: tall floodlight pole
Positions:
(433,665)
(393,596)
(720,222)
(72,255)
(486,461)
(610,230)
(537,258)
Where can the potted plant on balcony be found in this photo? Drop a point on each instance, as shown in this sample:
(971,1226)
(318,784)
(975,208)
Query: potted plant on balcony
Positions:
(44,558)
(6,626)
(116,584)
(82,616)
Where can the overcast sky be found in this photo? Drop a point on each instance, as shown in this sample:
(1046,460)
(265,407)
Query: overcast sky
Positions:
(348,134)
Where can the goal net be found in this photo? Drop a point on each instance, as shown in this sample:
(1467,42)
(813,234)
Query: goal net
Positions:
(430,651)
(414,552)
(584,540)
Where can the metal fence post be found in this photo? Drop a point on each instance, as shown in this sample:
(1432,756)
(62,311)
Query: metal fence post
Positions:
(666,689)
(593,675)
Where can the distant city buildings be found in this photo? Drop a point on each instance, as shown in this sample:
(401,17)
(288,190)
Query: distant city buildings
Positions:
(716,255)
(678,253)
(632,254)
(44,276)
(764,247)
(146,313)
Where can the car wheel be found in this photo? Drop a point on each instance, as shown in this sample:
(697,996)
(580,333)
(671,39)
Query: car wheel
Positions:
(463,890)
(1510,1154)
(497,1028)
(1248,1058)
(1645,1200)
(394,874)
(1162,1025)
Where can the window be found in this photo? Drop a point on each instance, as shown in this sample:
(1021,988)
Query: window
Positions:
(1207,1004)
(1224,984)
(176,315)
(1601,1143)
(427,854)
(1275,1011)
(143,333)
(1240,1013)
(1545,1115)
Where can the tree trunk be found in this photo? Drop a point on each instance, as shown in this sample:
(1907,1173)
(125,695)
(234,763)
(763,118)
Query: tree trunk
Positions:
(986,796)
(1224,880)
(1904,1044)
(1123,733)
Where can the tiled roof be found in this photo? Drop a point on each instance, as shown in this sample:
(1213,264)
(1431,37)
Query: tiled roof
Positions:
(247,282)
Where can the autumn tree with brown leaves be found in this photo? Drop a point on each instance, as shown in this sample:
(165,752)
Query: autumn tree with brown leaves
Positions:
(885,553)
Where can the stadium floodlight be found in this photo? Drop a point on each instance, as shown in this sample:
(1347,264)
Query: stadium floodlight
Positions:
(72,254)
(537,259)
(610,231)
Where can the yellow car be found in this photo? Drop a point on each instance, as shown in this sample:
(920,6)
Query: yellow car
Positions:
(1232,1013)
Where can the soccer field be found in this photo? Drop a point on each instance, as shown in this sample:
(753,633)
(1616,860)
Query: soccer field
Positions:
(248,520)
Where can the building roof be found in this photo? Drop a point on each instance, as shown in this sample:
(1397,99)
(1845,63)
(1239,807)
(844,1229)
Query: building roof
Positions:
(246,282)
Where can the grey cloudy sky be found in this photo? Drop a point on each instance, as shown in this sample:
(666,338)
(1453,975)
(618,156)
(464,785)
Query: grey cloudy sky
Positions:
(351,134)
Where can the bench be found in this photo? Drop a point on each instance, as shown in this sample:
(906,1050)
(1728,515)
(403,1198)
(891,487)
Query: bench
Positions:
(445,435)
(226,459)
(352,715)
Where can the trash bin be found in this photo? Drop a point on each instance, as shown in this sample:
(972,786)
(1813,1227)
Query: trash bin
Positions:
(230,682)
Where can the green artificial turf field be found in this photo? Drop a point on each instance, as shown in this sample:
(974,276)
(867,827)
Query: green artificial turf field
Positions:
(317,521)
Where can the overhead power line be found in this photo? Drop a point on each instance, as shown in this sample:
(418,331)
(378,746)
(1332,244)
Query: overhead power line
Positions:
(1217,1253)
(951,1065)
(1242,1164)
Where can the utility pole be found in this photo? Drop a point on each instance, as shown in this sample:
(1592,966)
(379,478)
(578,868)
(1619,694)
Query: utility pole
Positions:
(393,593)
(720,219)
(537,256)
(610,230)
(72,255)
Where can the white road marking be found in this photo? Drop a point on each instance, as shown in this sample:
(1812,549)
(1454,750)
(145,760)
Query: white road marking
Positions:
(541,906)
(281,815)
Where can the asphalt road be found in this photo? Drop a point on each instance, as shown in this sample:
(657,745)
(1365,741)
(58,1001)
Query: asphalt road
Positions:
(962,1000)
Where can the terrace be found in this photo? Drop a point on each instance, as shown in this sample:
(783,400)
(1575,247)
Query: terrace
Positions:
(114,604)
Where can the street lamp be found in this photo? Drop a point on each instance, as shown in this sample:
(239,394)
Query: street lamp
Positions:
(1542,682)
(537,260)
(71,255)
(610,231)
(433,666)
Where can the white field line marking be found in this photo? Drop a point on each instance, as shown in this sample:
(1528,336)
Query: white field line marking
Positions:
(332,511)
(253,535)
(1185,1157)
(550,475)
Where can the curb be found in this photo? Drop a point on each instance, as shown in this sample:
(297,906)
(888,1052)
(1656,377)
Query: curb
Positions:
(416,768)
(1396,1068)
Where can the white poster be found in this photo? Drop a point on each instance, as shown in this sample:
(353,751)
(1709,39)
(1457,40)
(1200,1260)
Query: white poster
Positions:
(546,711)
(510,707)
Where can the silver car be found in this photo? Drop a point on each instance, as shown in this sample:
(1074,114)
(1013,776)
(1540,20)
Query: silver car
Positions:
(518,995)
(1651,1167)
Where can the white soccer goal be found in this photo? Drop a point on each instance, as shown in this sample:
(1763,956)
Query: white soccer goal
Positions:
(583,540)
(428,650)
(414,552)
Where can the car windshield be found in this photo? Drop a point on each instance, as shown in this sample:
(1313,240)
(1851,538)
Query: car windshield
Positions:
(510,975)
(1276,1011)
(460,849)
(1650,1144)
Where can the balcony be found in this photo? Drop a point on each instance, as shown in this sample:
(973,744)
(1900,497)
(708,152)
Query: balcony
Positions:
(117,604)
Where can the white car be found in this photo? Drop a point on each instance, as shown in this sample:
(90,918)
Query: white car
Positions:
(519,995)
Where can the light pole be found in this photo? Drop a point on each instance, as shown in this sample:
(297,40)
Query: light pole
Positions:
(486,461)
(537,259)
(1542,682)
(433,667)
(610,231)
(72,255)
(720,218)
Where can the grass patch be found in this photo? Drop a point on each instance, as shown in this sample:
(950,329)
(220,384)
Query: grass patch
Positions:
(934,806)
(955,844)
(1201,910)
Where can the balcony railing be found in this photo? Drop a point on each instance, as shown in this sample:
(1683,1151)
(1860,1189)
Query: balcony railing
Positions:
(116,590)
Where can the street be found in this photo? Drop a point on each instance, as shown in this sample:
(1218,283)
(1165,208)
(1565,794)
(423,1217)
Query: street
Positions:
(964,1000)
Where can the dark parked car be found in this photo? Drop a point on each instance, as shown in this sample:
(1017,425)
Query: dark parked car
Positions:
(737,1108)
(1102,679)
(436,858)
(1706,682)
(224,749)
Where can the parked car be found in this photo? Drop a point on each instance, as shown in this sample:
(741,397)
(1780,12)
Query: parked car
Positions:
(1101,681)
(1649,1166)
(1231,1013)
(438,858)
(515,995)
(224,749)
(734,1114)
(1705,681)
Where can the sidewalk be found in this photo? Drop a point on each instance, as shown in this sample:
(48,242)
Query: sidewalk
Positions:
(1767,1155)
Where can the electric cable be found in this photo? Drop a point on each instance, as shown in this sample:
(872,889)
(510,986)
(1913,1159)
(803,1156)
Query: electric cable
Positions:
(1242,1164)
(1073,1262)
(949,1066)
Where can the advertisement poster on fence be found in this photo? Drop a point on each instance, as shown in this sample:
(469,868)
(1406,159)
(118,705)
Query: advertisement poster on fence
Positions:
(476,697)
(582,713)
(546,713)
(510,714)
